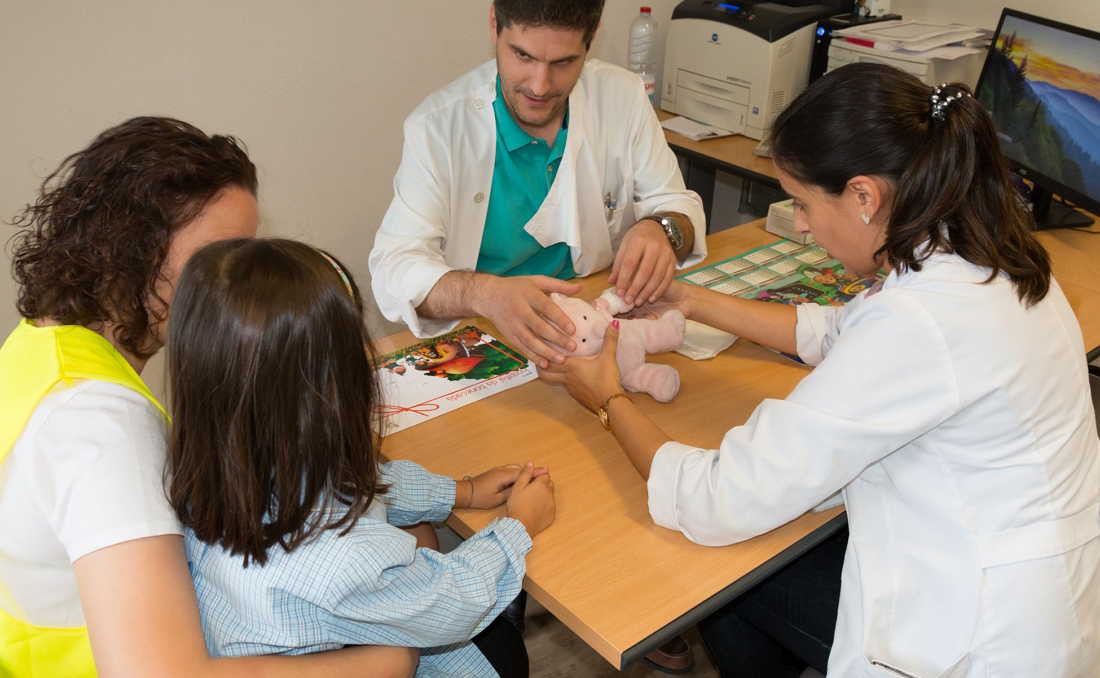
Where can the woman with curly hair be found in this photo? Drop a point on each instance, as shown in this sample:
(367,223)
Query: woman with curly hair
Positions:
(91,554)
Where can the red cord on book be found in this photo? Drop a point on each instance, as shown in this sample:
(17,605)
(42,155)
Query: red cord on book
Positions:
(861,42)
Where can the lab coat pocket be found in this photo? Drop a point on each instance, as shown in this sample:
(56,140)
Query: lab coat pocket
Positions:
(618,212)
(902,642)
(890,670)
(612,206)
(618,191)
(959,670)
(920,592)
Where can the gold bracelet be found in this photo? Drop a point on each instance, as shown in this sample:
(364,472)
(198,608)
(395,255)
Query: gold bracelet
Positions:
(601,411)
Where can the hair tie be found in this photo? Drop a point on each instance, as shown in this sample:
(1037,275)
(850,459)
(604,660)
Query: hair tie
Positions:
(339,271)
(940,102)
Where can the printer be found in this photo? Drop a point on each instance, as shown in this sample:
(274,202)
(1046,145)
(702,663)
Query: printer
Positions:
(736,65)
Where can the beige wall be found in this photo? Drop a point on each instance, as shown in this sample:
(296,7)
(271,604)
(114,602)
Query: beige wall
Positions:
(985,13)
(317,90)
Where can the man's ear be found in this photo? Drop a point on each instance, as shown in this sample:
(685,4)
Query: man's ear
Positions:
(493,22)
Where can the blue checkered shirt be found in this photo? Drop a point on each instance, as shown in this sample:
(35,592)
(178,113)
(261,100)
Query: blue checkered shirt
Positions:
(371,586)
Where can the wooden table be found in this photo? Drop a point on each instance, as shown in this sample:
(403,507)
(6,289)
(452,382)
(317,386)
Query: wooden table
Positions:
(1076,259)
(619,582)
(603,568)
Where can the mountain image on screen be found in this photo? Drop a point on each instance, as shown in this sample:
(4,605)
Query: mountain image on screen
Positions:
(1053,129)
(1077,117)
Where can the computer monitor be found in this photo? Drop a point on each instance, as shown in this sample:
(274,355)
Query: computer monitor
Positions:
(1041,84)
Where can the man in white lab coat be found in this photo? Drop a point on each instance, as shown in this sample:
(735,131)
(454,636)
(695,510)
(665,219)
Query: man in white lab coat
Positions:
(531,169)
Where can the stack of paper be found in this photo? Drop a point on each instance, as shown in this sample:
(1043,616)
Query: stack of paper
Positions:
(908,36)
(694,130)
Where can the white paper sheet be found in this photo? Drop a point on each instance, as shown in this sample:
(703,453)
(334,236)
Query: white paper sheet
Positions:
(694,130)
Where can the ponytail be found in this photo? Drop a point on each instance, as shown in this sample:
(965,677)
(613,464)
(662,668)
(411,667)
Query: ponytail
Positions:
(952,186)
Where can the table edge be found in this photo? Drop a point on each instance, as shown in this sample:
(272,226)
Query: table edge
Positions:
(733,590)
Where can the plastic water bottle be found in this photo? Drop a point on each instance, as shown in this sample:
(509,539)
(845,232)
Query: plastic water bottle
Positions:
(643,51)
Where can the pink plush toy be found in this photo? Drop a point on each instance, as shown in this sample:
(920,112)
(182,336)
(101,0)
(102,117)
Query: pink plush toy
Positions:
(637,337)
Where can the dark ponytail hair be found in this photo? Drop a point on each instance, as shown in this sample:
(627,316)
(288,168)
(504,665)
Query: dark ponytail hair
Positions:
(875,120)
(274,436)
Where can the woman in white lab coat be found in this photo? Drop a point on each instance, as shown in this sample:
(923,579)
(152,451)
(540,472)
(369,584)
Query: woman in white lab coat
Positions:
(950,404)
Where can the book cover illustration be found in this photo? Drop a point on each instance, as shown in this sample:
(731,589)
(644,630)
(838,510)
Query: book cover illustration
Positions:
(422,381)
(785,272)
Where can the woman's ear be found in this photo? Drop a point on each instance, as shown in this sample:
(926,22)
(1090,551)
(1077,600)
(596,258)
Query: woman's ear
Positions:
(870,194)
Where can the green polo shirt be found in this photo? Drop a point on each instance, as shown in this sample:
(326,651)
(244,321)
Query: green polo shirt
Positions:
(524,171)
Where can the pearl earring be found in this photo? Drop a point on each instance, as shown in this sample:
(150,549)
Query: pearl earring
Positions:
(866,219)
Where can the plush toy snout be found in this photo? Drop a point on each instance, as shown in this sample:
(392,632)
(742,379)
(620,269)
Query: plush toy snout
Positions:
(637,337)
(589,323)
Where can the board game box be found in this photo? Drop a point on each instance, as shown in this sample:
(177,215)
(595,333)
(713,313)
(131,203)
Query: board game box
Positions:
(786,272)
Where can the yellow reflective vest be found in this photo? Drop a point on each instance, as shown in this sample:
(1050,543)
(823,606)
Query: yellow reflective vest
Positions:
(33,362)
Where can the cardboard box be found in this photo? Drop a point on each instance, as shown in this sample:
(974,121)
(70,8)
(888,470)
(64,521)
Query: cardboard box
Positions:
(781,222)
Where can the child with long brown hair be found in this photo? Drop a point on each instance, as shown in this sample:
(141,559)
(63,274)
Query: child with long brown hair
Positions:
(292,522)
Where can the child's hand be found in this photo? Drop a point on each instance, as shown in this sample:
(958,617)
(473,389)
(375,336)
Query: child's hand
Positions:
(491,488)
(532,500)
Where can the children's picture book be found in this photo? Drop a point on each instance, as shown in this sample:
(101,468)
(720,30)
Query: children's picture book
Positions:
(422,381)
(786,272)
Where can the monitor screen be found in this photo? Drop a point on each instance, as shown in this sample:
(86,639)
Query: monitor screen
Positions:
(1041,84)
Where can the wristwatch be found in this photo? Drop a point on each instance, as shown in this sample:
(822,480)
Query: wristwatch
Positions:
(672,230)
(601,411)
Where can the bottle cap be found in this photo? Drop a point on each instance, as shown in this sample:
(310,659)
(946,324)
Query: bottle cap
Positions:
(646,10)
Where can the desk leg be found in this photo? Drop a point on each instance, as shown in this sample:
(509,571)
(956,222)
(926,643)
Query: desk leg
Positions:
(700,178)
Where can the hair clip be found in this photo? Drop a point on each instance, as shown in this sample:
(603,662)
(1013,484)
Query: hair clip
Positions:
(940,102)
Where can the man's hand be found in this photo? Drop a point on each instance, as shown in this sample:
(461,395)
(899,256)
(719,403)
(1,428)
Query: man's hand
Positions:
(644,264)
(520,307)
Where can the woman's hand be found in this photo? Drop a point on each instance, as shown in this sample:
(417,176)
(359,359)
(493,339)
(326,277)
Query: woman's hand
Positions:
(677,296)
(590,380)
(491,489)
